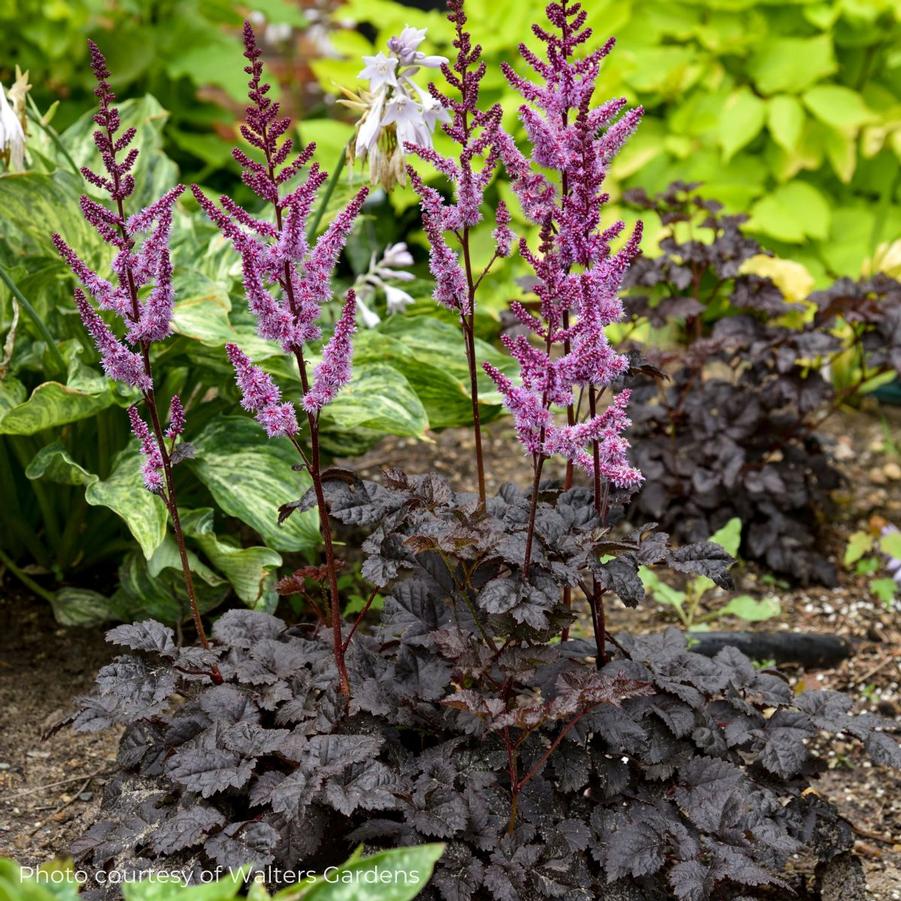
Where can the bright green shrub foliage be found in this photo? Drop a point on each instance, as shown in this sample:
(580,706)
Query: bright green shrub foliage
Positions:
(790,111)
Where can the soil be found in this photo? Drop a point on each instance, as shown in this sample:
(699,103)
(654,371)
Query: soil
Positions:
(50,789)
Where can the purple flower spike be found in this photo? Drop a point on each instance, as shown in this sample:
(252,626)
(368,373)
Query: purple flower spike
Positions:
(577,275)
(333,373)
(117,360)
(260,395)
(287,277)
(152,469)
(176,417)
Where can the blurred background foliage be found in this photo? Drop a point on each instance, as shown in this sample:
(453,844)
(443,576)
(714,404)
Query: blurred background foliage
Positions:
(789,112)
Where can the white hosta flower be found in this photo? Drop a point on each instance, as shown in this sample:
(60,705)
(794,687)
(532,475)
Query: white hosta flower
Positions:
(397,255)
(381,71)
(395,110)
(12,137)
(377,278)
(396,299)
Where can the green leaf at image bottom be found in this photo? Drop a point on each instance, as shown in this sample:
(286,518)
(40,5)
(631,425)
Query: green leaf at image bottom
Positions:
(123,492)
(250,570)
(396,875)
(250,476)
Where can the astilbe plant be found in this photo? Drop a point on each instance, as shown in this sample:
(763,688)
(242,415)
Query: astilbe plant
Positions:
(287,279)
(628,768)
(448,225)
(577,275)
(138,264)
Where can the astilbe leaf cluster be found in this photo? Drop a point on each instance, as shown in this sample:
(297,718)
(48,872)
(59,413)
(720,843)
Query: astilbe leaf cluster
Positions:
(734,431)
(553,768)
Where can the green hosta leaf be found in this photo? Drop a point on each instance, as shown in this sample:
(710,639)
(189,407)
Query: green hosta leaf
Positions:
(791,64)
(12,393)
(53,404)
(36,205)
(54,463)
(124,493)
(379,400)
(785,120)
(250,476)
(661,592)
(750,609)
(251,570)
(792,212)
(838,106)
(156,588)
(858,544)
(440,344)
(729,536)
(442,394)
(358,879)
(16,886)
(884,589)
(82,607)
(742,120)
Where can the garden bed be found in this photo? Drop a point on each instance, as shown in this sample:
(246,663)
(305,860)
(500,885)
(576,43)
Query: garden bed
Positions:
(51,789)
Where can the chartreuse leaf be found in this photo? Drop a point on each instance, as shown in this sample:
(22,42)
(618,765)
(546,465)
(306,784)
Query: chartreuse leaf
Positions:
(729,536)
(859,544)
(791,64)
(839,107)
(750,609)
(742,120)
(396,875)
(661,592)
(885,589)
(251,476)
(792,212)
(785,120)
(224,889)
(250,570)
(123,492)
(890,544)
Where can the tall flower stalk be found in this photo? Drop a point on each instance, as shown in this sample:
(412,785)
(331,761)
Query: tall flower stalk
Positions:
(287,278)
(578,276)
(138,267)
(474,130)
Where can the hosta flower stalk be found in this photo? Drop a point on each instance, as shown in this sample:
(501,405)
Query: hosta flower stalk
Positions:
(577,274)
(141,294)
(287,279)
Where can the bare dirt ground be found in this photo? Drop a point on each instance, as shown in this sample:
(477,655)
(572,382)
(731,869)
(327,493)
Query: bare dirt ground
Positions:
(49,790)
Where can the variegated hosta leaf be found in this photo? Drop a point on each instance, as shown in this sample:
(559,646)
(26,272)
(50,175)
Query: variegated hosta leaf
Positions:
(378,401)
(250,476)
(251,570)
(123,492)
(156,588)
(53,404)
